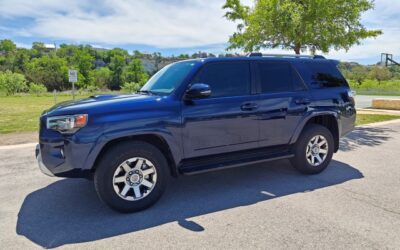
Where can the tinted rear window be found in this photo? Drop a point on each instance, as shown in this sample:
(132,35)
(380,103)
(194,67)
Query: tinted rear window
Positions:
(278,77)
(226,78)
(321,74)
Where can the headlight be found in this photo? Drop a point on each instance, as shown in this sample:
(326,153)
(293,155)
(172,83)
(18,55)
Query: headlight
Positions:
(68,123)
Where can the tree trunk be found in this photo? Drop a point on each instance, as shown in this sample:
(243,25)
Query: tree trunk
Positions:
(297,48)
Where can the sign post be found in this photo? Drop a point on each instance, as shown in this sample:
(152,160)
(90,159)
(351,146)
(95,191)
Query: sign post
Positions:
(73,78)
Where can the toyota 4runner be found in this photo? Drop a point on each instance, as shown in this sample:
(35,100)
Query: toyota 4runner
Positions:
(195,116)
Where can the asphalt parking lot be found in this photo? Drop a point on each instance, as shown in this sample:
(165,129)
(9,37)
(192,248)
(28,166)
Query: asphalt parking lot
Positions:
(354,204)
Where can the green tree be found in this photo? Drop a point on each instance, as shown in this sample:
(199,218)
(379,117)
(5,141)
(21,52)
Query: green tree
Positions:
(298,24)
(52,71)
(380,73)
(116,65)
(157,60)
(137,54)
(130,87)
(102,77)
(12,83)
(83,61)
(135,72)
(7,46)
(359,74)
(115,52)
(7,62)
(395,71)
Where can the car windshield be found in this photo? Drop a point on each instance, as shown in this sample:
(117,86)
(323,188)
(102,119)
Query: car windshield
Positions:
(165,81)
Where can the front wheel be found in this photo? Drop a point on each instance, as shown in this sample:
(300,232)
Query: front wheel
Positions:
(131,176)
(313,150)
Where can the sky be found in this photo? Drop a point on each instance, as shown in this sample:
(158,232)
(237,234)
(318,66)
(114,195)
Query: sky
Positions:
(171,27)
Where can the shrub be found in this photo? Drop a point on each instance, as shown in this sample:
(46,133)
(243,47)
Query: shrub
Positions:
(130,87)
(37,88)
(91,89)
(102,77)
(12,83)
(380,74)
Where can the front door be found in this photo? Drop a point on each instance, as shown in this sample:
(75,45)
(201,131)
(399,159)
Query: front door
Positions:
(227,120)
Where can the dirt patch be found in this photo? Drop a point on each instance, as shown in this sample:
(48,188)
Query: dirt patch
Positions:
(18,138)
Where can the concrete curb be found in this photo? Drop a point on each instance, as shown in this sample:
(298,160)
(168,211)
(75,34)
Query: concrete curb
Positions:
(378,111)
(377,124)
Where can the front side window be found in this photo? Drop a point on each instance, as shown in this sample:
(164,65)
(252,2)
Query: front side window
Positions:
(226,78)
(165,81)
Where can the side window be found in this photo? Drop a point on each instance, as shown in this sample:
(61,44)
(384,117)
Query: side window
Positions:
(278,77)
(226,78)
(324,75)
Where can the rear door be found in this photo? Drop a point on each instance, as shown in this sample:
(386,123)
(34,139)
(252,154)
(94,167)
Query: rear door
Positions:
(227,120)
(283,101)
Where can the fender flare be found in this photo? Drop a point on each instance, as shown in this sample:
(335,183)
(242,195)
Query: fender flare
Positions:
(105,139)
(308,117)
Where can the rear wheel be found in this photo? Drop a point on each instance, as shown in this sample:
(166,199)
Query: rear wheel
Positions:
(313,150)
(131,176)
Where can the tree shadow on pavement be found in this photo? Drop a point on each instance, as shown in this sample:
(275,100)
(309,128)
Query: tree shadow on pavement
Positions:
(365,136)
(68,211)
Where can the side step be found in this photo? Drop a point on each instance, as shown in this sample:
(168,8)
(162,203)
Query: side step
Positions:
(216,163)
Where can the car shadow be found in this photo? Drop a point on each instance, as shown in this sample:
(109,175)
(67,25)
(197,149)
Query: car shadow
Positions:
(68,211)
(365,136)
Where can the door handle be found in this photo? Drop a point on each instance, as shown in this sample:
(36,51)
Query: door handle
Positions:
(248,106)
(302,101)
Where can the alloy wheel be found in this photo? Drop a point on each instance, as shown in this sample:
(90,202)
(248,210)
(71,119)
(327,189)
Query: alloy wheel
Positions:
(134,179)
(317,150)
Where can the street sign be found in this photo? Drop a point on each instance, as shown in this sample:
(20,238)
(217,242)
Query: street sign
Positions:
(73,75)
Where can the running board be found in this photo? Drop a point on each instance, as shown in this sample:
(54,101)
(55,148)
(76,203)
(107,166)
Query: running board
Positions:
(198,169)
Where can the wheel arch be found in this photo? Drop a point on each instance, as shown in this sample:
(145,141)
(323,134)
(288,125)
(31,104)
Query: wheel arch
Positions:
(154,139)
(330,120)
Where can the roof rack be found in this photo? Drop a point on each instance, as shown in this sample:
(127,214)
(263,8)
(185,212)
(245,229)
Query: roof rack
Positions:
(259,54)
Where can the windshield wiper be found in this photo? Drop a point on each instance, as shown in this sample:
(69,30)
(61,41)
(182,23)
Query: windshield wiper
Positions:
(146,92)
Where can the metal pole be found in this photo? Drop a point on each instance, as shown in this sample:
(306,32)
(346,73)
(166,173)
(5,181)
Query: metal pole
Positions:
(73,91)
(55,96)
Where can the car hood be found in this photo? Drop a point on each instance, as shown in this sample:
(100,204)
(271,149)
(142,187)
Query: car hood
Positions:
(99,103)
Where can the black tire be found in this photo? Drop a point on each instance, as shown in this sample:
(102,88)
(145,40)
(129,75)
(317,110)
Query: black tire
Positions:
(299,161)
(113,158)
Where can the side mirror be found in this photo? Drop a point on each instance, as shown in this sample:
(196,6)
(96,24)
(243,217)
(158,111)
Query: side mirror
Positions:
(198,91)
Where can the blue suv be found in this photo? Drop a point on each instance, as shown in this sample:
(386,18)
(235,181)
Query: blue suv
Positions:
(196,116)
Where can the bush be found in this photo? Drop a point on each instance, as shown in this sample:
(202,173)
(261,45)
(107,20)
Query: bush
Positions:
(51,71)
(130,87)
(91,89)
(37,89)
(102,77)
(12,83)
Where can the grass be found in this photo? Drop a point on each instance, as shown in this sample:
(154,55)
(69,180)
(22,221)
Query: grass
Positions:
(373,87)
(21,113)
(371,118)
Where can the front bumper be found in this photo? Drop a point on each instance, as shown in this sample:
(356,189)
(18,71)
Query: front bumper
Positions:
(60,170)
(42,167)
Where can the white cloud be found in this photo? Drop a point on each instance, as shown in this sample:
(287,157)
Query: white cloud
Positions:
(155,22)
(169,24)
